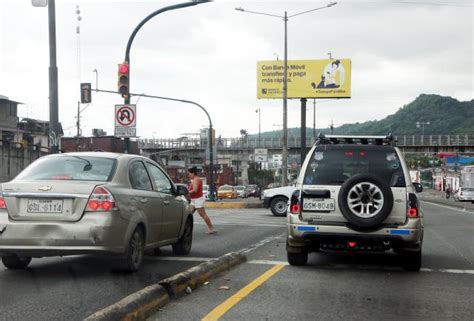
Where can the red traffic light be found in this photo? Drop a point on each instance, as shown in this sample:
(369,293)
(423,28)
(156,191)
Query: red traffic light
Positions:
(123,68)
(123,79)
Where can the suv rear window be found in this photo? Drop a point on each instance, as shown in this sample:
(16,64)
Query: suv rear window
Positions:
(333,165)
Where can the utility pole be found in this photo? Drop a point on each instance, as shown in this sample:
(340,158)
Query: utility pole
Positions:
(54,137)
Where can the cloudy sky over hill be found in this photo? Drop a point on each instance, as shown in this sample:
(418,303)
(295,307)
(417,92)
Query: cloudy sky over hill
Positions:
(208,53)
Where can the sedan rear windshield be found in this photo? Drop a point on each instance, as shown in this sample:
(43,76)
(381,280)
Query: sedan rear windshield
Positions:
(333,165)
(225,188)
(76,168)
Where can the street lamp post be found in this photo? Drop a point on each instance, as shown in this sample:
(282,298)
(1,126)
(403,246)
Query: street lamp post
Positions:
(285,18)
(422,123)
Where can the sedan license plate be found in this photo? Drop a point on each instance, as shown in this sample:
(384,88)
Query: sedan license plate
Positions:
(45,206)
(315,204)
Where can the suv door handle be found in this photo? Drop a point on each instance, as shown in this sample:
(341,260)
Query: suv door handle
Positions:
(166,202)
(143,200)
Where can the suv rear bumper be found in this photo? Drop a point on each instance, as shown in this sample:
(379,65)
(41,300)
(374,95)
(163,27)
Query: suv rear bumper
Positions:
(407,235)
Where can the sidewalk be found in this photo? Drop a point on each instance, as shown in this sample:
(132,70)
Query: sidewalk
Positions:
(251,202)
(431,195)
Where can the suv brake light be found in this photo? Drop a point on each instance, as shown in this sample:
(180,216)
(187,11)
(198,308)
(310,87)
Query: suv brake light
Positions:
(101,200)
(295,206)
(412,206)
(2,203)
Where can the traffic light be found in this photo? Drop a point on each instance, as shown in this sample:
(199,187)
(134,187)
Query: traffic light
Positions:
(123,79)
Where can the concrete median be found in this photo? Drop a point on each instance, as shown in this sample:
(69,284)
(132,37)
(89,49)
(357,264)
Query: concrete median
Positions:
(137,306)
(144,303)
(196,276)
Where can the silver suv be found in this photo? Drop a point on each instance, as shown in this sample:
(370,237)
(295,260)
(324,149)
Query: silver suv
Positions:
(354,194)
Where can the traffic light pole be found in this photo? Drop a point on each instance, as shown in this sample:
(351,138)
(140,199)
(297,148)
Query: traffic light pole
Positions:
(210,139)
(134,33)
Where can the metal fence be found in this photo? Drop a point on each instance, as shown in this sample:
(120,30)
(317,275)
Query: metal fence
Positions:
(295,142)
(14,157)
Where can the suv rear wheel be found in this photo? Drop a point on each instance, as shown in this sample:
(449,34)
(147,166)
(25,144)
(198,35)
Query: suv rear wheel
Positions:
(298,259)
(411,260)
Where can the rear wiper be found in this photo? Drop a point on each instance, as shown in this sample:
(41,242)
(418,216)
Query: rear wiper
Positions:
(88,166)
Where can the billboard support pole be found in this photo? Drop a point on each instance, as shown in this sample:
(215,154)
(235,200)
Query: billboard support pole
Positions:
(303,129)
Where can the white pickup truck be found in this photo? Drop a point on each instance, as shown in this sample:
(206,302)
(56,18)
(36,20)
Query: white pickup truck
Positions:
(276,199)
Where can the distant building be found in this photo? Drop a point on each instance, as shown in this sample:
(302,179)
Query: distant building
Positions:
(25,132)
(99,144)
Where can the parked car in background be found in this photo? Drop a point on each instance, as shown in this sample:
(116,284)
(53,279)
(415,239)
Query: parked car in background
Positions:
(92,203)
(274,185)
(226,191)
(253,190)
(276,199)
(464,194)
(241,192)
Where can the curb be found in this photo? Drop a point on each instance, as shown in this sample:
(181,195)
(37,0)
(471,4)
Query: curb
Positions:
(233,205)
(144,303)
(196,276)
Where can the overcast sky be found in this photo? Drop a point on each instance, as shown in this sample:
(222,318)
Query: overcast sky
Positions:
(208,54)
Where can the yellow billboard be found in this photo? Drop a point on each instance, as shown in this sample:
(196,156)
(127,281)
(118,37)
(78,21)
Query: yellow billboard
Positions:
(326,78)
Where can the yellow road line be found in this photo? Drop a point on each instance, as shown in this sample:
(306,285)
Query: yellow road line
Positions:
(220,310)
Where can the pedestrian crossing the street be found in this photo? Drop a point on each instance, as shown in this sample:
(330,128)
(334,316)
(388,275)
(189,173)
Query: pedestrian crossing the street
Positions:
(243,216)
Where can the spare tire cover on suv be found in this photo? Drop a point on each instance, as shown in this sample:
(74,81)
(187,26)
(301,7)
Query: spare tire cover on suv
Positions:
(365,200)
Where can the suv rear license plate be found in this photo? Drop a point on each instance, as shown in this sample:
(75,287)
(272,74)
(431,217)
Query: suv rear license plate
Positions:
(45,206)
(316,205)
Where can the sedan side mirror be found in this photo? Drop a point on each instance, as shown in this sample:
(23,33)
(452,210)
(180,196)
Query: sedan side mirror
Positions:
(418,187)
(182,190)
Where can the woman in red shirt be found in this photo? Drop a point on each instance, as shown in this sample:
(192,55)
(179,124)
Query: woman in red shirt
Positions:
(197,198)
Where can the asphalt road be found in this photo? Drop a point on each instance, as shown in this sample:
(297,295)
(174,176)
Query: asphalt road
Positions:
(341,286)
(73,288)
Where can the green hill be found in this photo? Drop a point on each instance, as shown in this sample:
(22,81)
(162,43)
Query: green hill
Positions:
(445,114)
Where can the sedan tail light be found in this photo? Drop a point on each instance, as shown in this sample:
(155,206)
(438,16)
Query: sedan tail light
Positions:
(295,206)
(101,200)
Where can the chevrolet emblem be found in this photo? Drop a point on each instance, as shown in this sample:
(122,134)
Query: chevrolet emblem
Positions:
(45,188)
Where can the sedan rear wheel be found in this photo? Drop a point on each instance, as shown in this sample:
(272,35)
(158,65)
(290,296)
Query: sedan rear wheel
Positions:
(15,262)
(135,251)
(183,246)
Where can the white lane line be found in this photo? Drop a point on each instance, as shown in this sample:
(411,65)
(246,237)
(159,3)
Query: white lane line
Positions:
(457,209)
(180,258)
(268,262)
(371,267)
(261,243)
(217,223)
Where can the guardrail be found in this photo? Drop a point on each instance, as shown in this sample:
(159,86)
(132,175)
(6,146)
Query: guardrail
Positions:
(295,142)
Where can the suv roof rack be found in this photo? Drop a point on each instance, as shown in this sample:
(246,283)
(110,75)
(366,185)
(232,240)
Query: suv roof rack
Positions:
(354,139)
